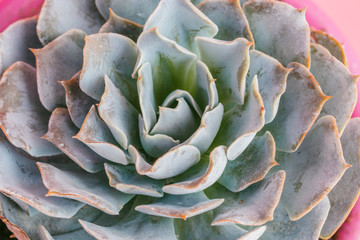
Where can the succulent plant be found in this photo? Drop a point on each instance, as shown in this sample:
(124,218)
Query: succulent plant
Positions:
(175,119)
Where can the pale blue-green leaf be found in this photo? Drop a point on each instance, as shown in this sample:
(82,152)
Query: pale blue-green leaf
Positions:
(176,95)
(61,132)
(272,81)
(89,188)
(176,161)
(229,17)
(241,123)
(179,123)
(20,178)
(109,54)
(251,166)
(127,180)
(318,160)
(173,67)
(77,234)
(346,192)
(58,16)
(299,107)
(180,206)
(77,102)
(181,22)
(229,63)
(308,227)
(252,207)
(122,26)
(204,179)
(155,145)
(58,61)
(287,38)
(22,117)
(134,226)
(134,10)
(119,115)
(97,136)
(15,42)
(254,234)
(24,206)
(337,81)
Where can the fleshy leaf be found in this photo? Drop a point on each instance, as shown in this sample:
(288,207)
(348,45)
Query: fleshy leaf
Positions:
(204,179)
(299,107)
(337,81)
(346,192)
(58,61)
(77,102)
(173,67)
(61,132)
(77,234)
(180,206)
(119,115)
(199,227)
(134,226)
(229,17)
(58,16)
(181,22)
(241,123)
(122,26)
(127,180)
(90,188)
(20,178)
(330,43)
(251,166)
(308,227)
(287,38)
(173,97)
(109,54)
(321,149)
(15,42)
(179,122)
(228,62)
(22,117)
(134,10)
(97,136)
(174,162)
(252,207)
(271,78)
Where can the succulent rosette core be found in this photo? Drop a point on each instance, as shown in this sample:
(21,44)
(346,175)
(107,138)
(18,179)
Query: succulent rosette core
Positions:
(175,119)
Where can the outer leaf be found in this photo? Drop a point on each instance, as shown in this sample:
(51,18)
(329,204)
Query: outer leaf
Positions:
(61,132)
(229,17)
(336,80)
(22,117)
(181,22)
(229,63)
(122,26)
(127,180)
(58,61)
(183,206)
(96,135)
(134,10)
(241,123)
(251,166)
(253,206)
(204,179)
(287,38)
(346,192)
(174,162)
(15,42)
(20,178)
(113,55)
(58,16)
(78,234)
(321,149)
(77,102)
(299,107)
(84,187)
(271,78)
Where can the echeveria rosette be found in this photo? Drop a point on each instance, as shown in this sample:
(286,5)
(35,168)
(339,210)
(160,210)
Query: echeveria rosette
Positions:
(172,119)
